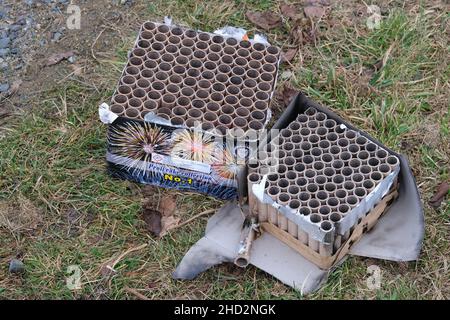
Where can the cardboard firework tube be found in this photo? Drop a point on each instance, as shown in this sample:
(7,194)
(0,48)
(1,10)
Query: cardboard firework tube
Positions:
(255,125)
(283,199)
(326,249)
(384,169)
(341,194)
(168,100)
(241,62)
(144,85)
(164,111)
(225,120)
(198,104)
(150,105)
(292,228)
(204,37)
(310,174)
(347,172)
(210,117)
(270,59)
(304,197)
(368,185)
(226,71)
(132,71)
(135,103)
(149,26)
(253,167)
(120,99)
(232,42)
(207,126)
(312,243)
(380,154)
(177,121)
(158,86)
(233,90)
(147,74)
(138,52)
(247,237)
(158,47)
(269,68)
(145,36)
(252,179)
(155,96)
(240,122)
(352,201)
(217,97)
(242,112)
(132,113)
(357,179)
(261,106)
(179,70)
(186,52)
(299,167)
(291,176)
(202,95)
(188,43)
(365,170)
(333,203)
(273,192)
(363,156)
(322,196)
(188,93)
(182,61)
(314,205)
(153,58)
(173,89)
(136,62)
(139,93)
(195,113)
(209,66)
(235,81)
(183,102)
(128,81)
(193,73)
(283,184)
(218,87)
(227,59)
(118,109)
(391,161)
(179,111)
(228,109)
(163,29)
(213,107)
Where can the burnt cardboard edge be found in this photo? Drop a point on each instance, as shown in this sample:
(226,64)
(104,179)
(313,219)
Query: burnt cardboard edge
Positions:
(408,192)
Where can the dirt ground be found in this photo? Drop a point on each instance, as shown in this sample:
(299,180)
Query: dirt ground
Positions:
(58,207)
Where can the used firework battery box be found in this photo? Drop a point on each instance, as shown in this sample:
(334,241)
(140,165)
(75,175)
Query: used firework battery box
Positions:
(181,102)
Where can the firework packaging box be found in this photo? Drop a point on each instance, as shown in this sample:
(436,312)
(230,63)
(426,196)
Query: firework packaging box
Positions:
(183,103)
(396,236)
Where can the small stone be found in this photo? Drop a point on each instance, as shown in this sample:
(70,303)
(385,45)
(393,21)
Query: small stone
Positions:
(4,42)
(4,52)
(56,36)
(71,59)
(16,266)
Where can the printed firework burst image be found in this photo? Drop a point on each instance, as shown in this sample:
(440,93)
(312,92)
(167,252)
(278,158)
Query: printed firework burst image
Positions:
(193,145)
(226,164)
(137,142)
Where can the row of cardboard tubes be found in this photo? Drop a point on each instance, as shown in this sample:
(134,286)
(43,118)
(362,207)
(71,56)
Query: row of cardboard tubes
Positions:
(319,169)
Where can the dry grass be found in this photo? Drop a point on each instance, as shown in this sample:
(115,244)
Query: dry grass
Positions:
(59,208)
